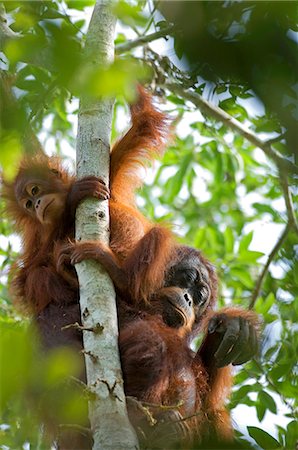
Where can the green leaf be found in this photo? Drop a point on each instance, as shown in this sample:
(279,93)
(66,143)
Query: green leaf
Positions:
(263,306)
(264,208)
(79,4)
(245,242)
(179,49)
(129,13)
(50,13)
(263,439)
(249,256)
(221,88)
(174,184)
(243,276)
(267,401)
(176,100)
(242,393)
(261,410)
(200,237)
(11,153)
(219,167)
(280,371)
(229,240)
(291,434)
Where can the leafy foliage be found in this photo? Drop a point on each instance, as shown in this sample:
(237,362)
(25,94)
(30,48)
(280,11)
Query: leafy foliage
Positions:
(221,193)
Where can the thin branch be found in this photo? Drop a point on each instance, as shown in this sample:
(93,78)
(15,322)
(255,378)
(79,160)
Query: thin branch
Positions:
(292,224)
(271,257)
(147,413)
(97,329)
(157,405)
(122,48)
(288,200)
(284,164)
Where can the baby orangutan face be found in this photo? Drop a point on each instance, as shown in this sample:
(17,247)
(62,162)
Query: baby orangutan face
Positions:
(45,207)
(41,195)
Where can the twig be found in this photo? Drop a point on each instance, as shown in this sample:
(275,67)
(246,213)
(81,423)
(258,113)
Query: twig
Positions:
(78,382)
(157,405)
(184,419)
(151,420)
(284,164)
(122,48)
(292,224)
(288,200)
(271,256)
(97,329)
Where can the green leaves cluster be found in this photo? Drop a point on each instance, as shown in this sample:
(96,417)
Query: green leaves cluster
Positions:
(35,389)
(44,70)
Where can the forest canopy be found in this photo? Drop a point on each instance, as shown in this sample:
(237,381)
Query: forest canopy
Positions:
(226,74)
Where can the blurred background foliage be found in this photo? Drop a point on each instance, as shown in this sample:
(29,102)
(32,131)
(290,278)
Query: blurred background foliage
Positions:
(220,192)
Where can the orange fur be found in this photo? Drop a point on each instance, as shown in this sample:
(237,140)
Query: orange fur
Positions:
(144,141)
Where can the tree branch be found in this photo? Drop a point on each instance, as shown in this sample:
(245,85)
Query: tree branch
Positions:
(122,48)
(234,124)
(292,224)
(107,409)
(288,201)
(271,257)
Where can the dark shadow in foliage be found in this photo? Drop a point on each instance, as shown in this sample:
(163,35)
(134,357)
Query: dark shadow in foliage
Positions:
(247,42)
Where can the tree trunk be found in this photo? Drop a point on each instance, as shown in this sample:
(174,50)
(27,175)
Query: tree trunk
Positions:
(107,409)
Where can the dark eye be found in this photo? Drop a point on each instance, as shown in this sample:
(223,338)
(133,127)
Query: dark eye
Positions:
(34,190)
(28,204)
(189,275)
(55,171)
(202,295)
(184,278)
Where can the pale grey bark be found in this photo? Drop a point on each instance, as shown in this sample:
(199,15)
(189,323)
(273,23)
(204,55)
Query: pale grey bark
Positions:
(5,32)
(107,410)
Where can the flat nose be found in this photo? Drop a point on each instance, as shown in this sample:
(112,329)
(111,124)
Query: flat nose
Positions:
(37,203)
(188,299)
